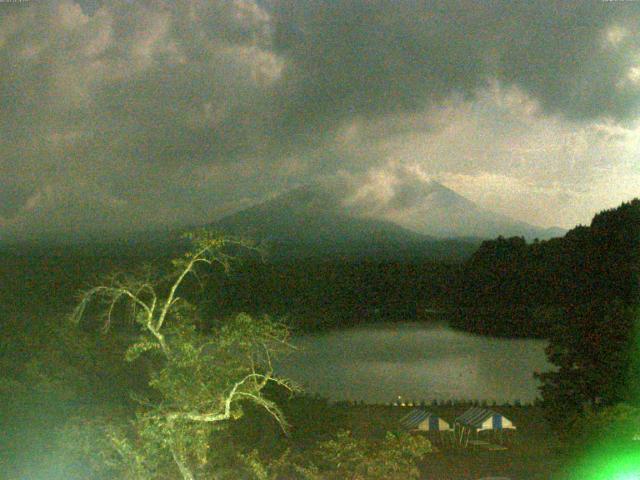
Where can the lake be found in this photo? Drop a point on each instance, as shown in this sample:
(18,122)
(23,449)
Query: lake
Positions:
(378,363)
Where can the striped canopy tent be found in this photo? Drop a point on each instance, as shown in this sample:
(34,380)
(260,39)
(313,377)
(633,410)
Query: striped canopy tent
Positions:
(421,420)
(479,419)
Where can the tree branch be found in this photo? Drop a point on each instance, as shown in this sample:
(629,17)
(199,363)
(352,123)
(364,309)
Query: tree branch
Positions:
(182,465)
(172,292)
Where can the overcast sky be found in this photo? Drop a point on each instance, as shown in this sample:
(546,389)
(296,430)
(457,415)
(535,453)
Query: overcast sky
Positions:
(131,114)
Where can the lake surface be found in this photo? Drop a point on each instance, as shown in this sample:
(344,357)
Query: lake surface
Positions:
(377,363)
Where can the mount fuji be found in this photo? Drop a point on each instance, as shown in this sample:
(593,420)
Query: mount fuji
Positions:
(432,221)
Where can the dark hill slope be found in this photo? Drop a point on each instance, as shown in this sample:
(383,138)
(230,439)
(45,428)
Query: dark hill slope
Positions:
(509,287)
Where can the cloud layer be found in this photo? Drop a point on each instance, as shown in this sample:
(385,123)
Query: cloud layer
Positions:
(123,115)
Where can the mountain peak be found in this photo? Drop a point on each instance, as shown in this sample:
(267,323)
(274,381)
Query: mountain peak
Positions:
(433,193)
(427,206)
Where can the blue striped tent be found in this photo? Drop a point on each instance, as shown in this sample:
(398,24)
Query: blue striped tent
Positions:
(421,420)
(479,419)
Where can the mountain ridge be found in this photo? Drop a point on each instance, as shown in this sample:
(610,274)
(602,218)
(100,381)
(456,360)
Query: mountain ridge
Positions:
(428,211)
(431,208)
(309,221)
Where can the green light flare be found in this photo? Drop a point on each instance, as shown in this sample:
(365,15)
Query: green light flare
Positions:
(610,464)
(627,476)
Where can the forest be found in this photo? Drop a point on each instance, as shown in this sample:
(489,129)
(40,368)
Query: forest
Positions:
(512,288)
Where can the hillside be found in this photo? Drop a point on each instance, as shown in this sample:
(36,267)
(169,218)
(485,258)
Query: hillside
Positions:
(509,287)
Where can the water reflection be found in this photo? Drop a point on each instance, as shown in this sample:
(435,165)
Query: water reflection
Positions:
(376,363)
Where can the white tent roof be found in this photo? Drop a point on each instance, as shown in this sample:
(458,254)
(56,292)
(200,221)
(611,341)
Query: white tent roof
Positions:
(419,419)
(484,419)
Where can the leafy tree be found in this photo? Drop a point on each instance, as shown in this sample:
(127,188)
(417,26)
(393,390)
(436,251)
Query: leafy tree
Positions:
(346,457)
(198,380)
(595,351)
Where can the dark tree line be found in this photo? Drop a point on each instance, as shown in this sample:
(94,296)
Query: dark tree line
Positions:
(512,288)
(325,293)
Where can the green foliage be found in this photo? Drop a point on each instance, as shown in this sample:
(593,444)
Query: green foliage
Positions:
(395,457)
(618,424)
(312,417)
(328,292)
(581,292)
(345,457)
(594,348)
(143,345)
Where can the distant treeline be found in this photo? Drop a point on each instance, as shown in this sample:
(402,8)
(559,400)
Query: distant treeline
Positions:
(312,293)
(317,294)
(512,288)
(46,277)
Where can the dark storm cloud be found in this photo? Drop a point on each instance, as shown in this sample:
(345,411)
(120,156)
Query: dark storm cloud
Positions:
(114,105)
(377,57)
(122,114)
